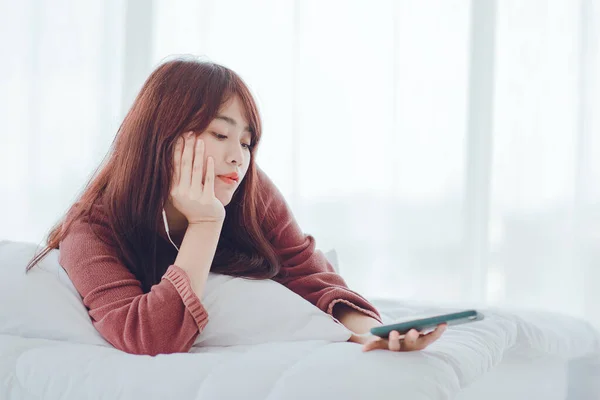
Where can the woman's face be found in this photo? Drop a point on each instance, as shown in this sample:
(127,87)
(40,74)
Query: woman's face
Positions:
(227,140)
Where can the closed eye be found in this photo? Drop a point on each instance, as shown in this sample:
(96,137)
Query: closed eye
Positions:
(223,137)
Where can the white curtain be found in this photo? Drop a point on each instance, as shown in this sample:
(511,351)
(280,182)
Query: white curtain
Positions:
(449,150)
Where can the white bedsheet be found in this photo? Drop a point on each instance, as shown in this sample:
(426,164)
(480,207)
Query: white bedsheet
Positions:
(45,369)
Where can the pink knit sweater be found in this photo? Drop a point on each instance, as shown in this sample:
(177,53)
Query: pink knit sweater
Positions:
(169,317)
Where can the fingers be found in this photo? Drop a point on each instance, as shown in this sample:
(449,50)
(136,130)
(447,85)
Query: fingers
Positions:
(434,335)
(187,160)
(417,342)
(410,340)
(394,341)
(198,167)
(177,161)
(209,180)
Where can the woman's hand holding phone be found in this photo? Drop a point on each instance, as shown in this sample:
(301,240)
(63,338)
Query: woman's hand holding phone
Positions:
(412,341)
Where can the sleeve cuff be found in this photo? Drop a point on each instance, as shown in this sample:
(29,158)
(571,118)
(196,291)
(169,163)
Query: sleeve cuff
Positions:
(348,297)
(180,280)
(370,313)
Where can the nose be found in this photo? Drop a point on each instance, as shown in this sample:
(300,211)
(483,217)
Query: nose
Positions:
(235,154)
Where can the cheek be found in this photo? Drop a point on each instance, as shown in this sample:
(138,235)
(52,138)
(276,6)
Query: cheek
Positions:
(244,171)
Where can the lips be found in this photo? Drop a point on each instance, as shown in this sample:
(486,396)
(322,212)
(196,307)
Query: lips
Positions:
(227,180)
(232,176)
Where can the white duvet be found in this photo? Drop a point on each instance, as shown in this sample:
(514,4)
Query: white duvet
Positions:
(298,354)
(296,370)
(307,369)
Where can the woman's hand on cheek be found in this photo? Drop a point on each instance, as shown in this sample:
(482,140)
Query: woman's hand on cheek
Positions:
(413,340)
(192,191)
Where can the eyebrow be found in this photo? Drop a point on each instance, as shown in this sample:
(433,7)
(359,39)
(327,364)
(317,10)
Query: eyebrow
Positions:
(231,121)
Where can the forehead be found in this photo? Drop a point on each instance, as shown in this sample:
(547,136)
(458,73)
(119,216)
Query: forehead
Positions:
(234,108)
(232,113)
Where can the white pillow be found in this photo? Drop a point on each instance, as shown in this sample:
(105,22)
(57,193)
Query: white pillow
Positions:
(44,304)
(243,311)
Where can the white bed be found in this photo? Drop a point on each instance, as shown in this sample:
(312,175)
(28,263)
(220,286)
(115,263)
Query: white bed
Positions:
(553,356)
(50,350)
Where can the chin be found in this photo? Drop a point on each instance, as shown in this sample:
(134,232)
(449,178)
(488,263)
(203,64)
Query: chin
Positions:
(225,200)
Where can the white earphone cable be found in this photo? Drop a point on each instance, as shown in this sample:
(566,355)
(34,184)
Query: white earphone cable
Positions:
(164,215)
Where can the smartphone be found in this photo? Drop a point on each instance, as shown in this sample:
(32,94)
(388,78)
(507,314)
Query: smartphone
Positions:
(427,323)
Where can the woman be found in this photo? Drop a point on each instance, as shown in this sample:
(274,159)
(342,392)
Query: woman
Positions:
(180,195)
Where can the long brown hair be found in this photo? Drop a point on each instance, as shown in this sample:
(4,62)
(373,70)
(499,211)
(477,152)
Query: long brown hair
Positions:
(179,96)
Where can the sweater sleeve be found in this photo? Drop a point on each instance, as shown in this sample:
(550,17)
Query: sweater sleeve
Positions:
(305,270)
(165,320)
